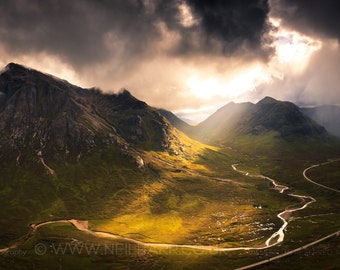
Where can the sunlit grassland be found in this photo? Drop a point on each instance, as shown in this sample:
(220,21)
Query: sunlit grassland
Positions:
(69,248)
(186,209)
(93,187)
(176,199)
(184,206)
(172,191)
(259,145)
(64,247)
(61,246)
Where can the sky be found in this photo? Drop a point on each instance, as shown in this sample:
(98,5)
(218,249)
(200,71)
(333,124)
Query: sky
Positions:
(187,56)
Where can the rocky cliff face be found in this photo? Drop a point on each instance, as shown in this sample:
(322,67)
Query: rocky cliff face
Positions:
(70,152)
(39,112)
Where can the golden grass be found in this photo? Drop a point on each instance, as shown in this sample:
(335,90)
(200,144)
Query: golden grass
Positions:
(183,208)
(146,226)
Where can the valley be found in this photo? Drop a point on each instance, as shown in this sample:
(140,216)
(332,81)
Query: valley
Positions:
(88,230)
(273,240)
(105,181)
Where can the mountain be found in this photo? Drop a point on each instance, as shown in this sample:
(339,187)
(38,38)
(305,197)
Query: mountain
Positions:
(328,116)
(175,121)
(66,151)
(73,153)
(38,111)
(222,122)
(234,121)
(117,165)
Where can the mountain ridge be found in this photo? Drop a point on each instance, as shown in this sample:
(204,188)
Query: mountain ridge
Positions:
(73,153)
(235,120)
(66,151)
(53,109)
(175,121)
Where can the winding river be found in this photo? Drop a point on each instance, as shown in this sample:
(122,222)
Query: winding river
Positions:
(276,238)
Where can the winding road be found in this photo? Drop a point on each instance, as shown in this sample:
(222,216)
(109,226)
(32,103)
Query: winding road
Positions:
(335,234)
(273,240)
(278,236)
(315,183)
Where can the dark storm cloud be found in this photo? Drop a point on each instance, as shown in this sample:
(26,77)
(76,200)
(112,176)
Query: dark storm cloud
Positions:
(313,17)
(88,32)
(81,32)
(235,23)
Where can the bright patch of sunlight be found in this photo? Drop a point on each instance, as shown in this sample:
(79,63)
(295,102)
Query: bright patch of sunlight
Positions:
(292,48)
(226,86)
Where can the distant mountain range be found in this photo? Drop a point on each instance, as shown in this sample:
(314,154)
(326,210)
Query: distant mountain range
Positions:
(46,116)
(267,115)
(236,120)
(41,112)
(66,151)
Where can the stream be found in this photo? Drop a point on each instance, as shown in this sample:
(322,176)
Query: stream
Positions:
(276,238)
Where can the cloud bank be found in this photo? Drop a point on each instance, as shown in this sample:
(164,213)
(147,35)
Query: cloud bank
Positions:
(183,55)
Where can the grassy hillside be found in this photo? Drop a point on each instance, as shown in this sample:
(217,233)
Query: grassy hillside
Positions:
(173,206)
(267,118)
(116,163)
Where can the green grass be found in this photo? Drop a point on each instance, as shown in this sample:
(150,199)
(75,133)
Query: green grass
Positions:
(327,175)
(164,203)
(146,227)
(176,209)
(100,253)
(96,186)
(324,255)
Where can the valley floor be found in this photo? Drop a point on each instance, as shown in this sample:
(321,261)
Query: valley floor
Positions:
(71,243)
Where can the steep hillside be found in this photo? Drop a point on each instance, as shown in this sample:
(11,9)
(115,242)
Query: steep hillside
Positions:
(38,111)
(78,158)
(282,117)
(222,123)
(67,151)
(267,116)
(176,121)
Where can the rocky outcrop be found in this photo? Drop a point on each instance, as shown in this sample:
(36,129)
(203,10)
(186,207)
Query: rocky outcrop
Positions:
(39,111)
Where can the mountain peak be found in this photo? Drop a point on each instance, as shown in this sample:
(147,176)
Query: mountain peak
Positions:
(23,74)
(13,65)
(268,115)
(40,109)
(267,100)
(16,68)
(127,100)
(125,93)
